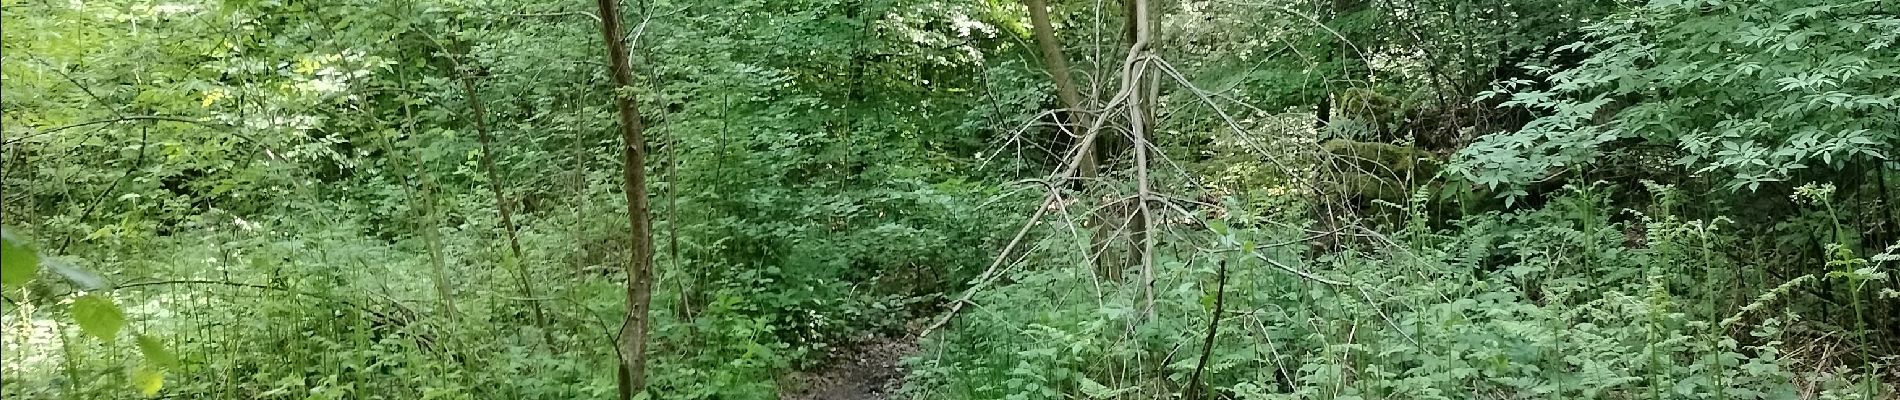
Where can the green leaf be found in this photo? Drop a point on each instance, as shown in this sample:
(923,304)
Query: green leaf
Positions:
(19,263)
(98,316)
(156,354)
(1092,388)
(148,380)
(1095,390)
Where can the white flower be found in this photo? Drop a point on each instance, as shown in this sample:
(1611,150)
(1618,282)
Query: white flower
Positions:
(245,225)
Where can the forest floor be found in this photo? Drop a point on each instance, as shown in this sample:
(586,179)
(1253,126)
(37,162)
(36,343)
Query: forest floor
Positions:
(869,370)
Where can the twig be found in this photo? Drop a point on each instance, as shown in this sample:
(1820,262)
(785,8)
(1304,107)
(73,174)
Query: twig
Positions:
(1302,274)
(126,119)
(553,14)
(1213,325)
(144,135)
(1382,315)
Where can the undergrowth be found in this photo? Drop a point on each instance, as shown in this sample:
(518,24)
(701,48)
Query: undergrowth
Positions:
(1558,302)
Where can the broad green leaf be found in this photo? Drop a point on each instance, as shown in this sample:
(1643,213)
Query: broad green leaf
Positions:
(19,263)
(98,316)
(148,380)
(155,352)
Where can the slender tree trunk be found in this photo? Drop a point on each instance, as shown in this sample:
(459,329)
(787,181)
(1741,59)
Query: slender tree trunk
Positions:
(1323,111)
(480,110)
(578,179)
(1067,172)
(1066,91)
(431,222)
(1134,79)
(1129,27)
(1147,93)
(685,278)
(1196,389)
(1330,208)
(1886,201)
(1077,119)
(425,195)
(633,332)
(1892,232)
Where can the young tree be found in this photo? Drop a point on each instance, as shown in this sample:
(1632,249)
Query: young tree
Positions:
(633,331)
(476,106)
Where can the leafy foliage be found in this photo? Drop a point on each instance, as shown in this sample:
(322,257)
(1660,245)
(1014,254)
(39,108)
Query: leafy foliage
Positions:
(1754,93)
(291,199)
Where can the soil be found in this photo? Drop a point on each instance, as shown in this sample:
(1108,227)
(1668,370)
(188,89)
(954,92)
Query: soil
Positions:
(870,370)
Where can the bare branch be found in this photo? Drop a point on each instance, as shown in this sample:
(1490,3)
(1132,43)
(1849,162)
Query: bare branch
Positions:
(1302,274)
(129,118)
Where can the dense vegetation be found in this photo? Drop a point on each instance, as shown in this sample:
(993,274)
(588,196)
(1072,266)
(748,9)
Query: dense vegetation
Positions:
(1277,199)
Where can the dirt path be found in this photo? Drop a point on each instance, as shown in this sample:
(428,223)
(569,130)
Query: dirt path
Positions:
(867,371)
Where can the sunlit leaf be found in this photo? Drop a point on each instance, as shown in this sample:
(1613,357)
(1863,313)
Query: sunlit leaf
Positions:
(147,381)
(98,316)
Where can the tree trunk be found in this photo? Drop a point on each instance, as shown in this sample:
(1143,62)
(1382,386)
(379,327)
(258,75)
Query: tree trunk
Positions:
(1138,32)
(1076,119)
(1135,80)
(1129,27)
(480,110)
(633,331)
(1323,111)
(578,179)
(1058,65)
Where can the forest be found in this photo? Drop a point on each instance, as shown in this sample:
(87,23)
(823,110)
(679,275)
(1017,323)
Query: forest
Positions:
(950,200)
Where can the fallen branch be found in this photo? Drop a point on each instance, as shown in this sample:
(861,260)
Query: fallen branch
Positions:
(1076,156)
(987,276)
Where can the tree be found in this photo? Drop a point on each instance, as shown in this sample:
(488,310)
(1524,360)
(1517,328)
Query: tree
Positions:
(1141,95)
(1077,119)
(480,111)
(633,331)
(1074,111)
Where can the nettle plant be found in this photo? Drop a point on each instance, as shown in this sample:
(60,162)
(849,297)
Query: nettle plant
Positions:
(1752,92)
(92,309)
